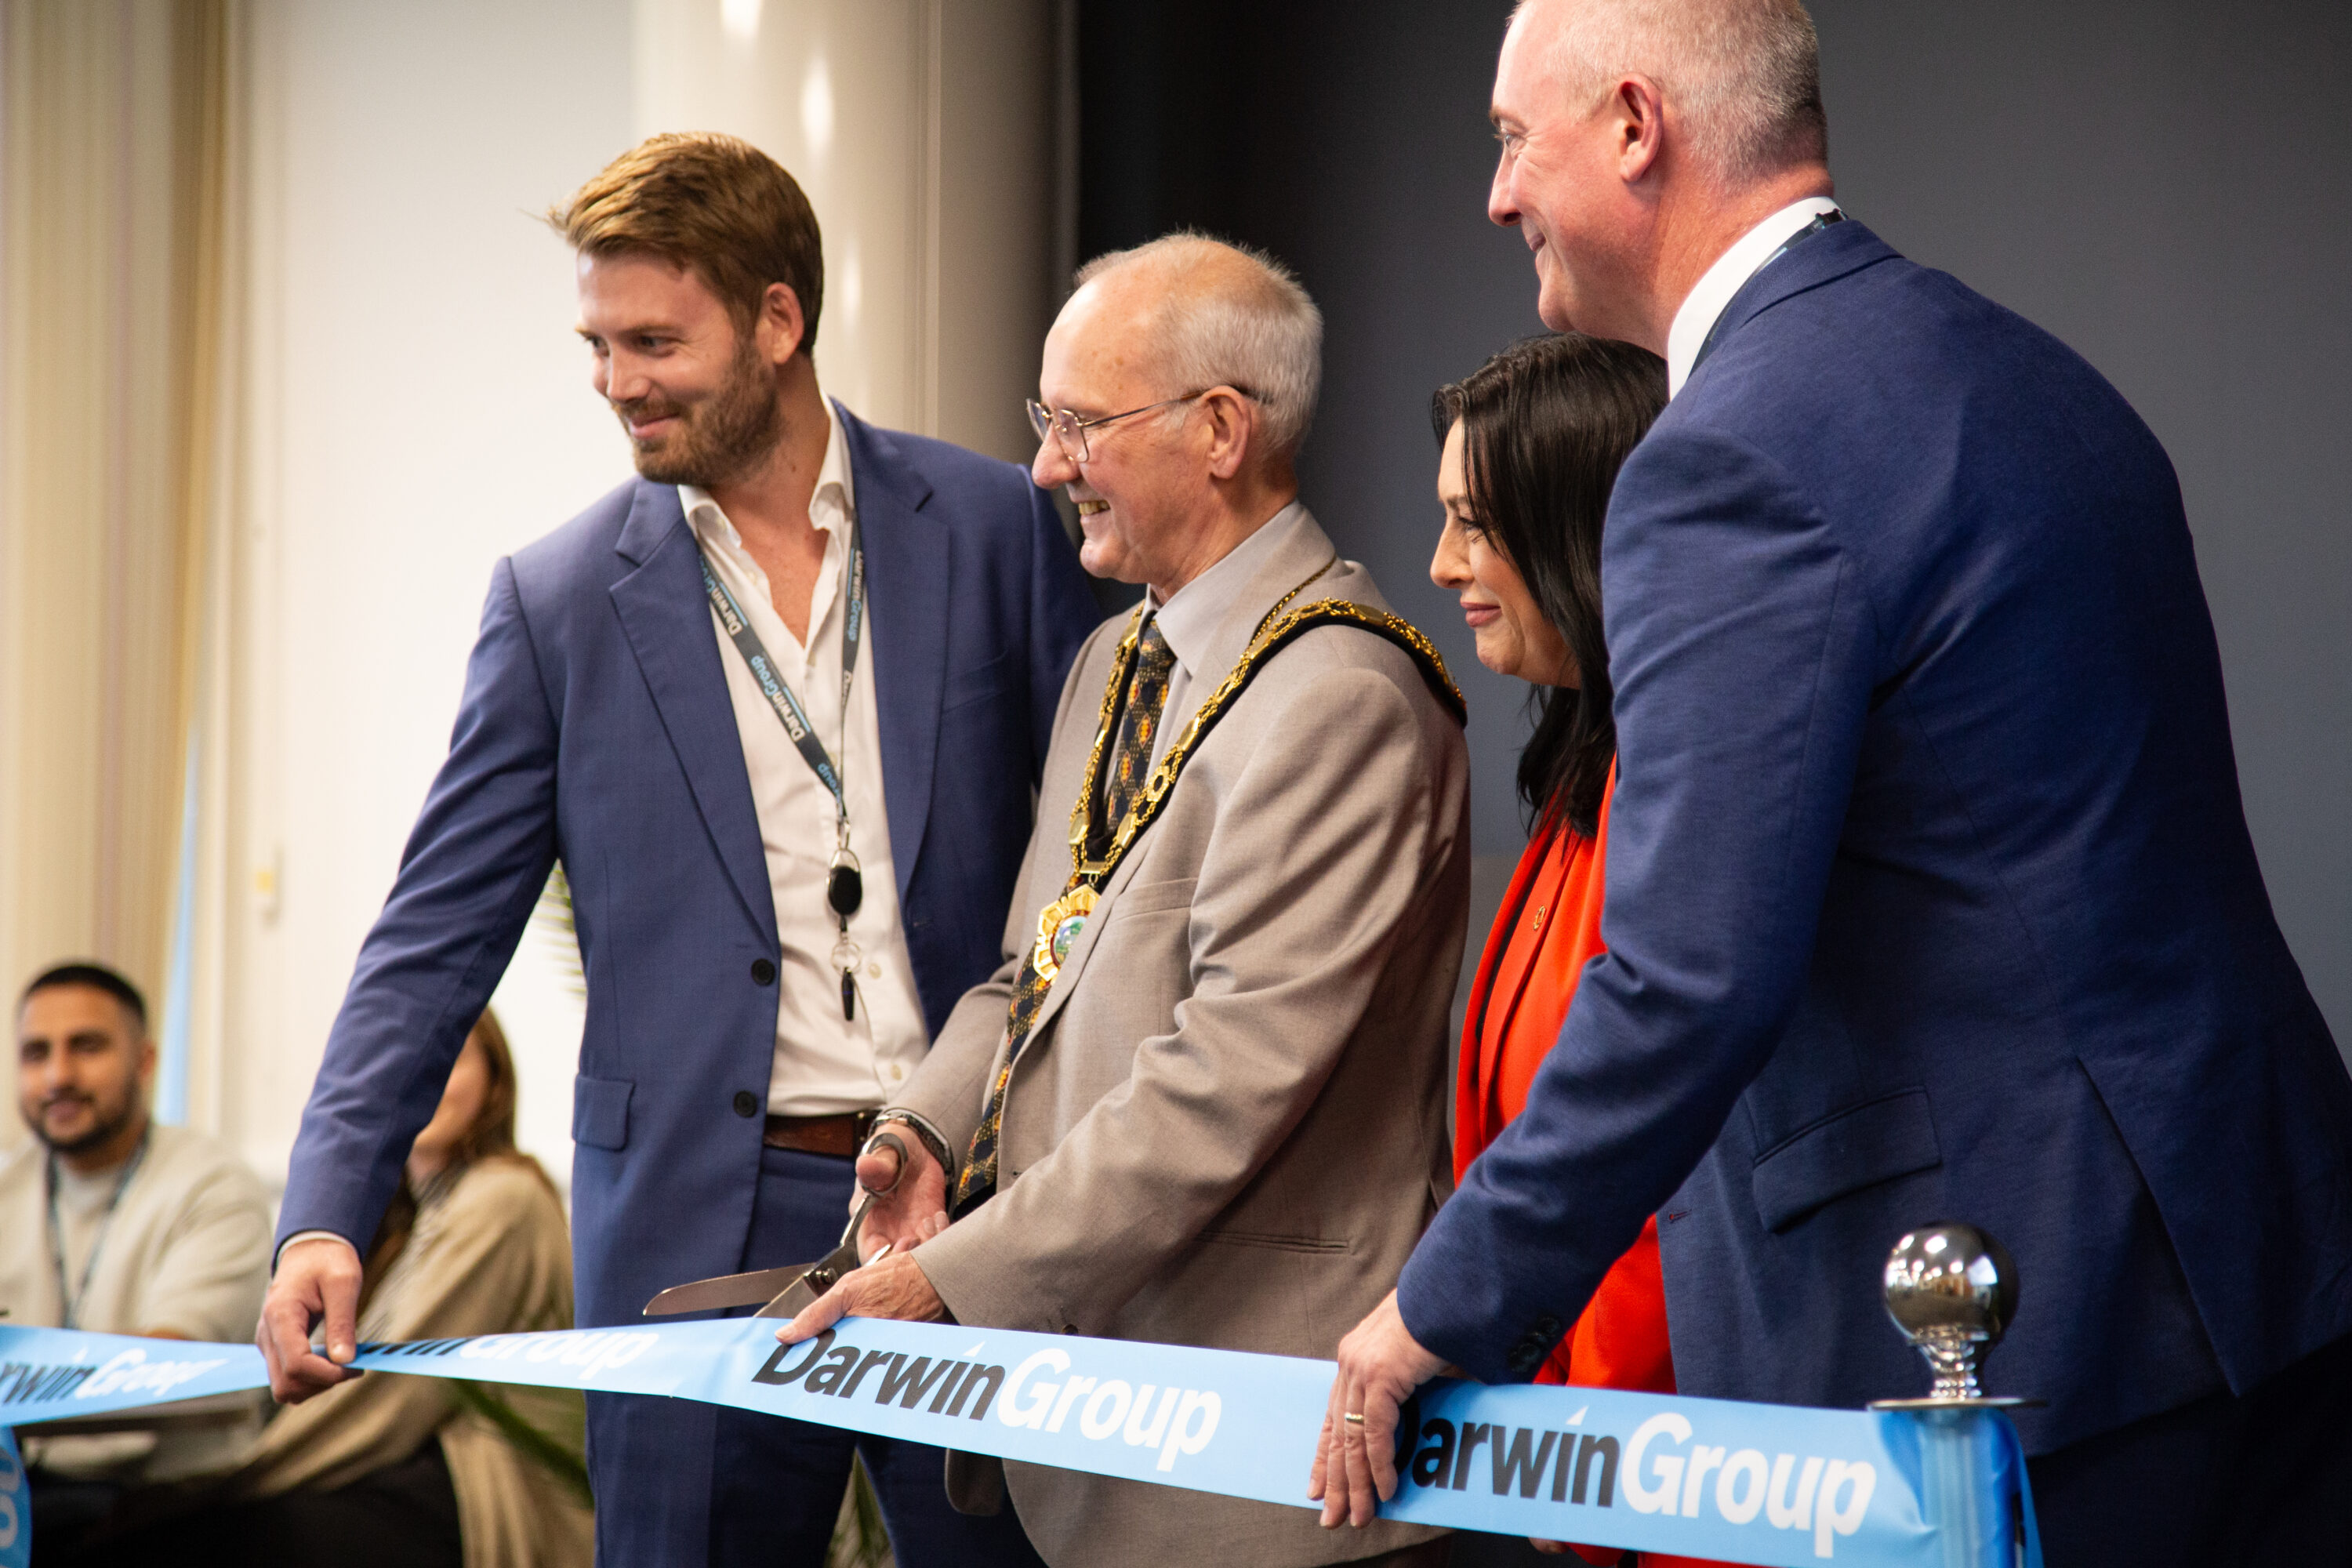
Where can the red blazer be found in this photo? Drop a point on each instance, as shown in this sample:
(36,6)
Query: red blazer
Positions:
(1547,929)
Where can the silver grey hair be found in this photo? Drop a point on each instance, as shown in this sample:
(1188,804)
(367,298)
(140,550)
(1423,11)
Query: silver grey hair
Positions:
(1743,76)
(1251,328)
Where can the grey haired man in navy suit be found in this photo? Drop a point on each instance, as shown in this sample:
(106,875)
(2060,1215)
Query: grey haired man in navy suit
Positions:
(779,706)
(1929,890)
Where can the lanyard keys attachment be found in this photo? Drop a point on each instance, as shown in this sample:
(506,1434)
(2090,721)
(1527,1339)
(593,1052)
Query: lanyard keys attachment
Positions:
(846,956)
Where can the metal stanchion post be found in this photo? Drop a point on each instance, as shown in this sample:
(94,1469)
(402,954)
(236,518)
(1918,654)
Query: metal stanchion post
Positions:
(1952,1290)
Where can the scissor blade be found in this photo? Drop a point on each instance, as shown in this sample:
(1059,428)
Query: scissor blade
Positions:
(813,1282)
(777,1292)
(727,1290)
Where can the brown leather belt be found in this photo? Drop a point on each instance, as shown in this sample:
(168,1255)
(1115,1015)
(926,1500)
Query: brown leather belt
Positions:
(841,1135)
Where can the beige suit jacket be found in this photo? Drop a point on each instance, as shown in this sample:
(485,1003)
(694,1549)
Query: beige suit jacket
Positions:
(1228,1128)
(186,1252)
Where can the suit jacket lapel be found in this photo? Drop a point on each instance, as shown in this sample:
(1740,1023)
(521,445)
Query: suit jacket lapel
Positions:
(1840,250)
(908,579)
(667,620)
(1066,980)
(1306,552)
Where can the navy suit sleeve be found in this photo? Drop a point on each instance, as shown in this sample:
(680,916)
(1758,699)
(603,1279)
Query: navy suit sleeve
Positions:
(473,869)
(1741,647)
(1063,614)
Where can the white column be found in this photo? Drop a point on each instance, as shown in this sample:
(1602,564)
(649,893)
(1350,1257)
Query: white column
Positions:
(923,132)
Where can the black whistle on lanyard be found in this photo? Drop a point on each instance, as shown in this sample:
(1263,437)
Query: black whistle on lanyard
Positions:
(849,997)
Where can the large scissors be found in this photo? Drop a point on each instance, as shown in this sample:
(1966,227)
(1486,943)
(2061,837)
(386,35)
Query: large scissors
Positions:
(783,1292)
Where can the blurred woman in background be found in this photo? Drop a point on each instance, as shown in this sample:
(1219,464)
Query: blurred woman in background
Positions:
(397,1469)
(1531,444)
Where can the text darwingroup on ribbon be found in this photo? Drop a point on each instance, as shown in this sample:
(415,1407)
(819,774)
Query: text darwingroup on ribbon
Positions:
(1750,1483)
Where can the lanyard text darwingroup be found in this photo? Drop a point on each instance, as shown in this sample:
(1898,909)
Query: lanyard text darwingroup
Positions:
(844,885)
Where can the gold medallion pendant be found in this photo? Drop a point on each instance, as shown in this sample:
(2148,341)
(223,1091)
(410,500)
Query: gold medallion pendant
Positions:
(1057,927)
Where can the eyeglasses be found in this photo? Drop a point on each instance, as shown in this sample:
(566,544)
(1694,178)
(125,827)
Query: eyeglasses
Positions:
(1068,429)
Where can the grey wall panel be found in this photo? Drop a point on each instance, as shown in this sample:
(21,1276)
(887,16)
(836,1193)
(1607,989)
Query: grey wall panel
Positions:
(2162,185)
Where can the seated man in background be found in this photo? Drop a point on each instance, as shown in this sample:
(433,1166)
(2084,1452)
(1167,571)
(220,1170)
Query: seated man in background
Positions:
(1217,1113)
(114,1224)
(422,1472)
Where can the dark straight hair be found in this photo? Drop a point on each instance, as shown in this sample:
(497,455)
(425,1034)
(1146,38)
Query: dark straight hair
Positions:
(1546,425)
(491,1136)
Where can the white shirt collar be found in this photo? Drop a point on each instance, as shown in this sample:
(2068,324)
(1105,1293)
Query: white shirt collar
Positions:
(1191,615)
(831,505)
(1719,282)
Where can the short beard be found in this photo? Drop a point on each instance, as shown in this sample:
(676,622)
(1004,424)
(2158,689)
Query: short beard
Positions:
(724,437)
(106,1127)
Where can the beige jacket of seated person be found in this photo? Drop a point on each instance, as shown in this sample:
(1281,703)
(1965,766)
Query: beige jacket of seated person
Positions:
(186,1252)
(490,1254)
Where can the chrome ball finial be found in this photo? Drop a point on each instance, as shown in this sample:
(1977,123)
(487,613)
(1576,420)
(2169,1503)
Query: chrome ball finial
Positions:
(1952,1290)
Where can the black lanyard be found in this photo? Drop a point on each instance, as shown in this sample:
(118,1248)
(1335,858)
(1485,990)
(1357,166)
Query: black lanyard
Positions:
(772,686)
(69,1302)
(845,887)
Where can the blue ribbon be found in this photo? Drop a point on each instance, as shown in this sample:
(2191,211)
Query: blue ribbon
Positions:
(15,1506)
(1747,1483)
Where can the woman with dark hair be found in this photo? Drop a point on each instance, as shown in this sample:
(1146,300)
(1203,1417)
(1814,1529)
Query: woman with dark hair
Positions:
(1532,441)
(393,1469)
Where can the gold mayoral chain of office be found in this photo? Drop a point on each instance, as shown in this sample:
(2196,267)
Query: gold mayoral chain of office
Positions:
(1091,868)
(1059,924)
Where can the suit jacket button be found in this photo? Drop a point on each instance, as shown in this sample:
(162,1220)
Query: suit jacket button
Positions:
(762,974)
(746,1103)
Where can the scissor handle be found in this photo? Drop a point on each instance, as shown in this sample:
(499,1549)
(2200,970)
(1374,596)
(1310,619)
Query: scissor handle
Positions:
(888,1139)
(858,1220)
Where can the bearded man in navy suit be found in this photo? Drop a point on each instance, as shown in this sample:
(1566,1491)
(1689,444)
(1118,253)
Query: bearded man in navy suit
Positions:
(1929,890)
(751,1001)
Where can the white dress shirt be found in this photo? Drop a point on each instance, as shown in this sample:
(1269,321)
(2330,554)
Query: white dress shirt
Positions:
(1719,282)
(823,1064)
(1191,615)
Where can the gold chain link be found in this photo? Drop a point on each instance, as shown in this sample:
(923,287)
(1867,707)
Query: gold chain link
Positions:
(1272,632)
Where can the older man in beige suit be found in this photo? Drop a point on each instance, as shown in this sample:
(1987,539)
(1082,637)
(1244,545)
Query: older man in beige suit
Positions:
(1203,1102)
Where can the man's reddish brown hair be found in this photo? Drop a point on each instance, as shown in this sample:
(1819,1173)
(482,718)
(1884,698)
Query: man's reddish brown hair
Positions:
(713,204)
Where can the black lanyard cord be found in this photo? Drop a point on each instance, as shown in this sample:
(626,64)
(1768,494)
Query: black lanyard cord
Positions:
(779,693)
(844,881)
(69,1301)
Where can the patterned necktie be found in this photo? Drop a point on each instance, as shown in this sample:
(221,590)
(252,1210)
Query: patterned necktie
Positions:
(1147,694)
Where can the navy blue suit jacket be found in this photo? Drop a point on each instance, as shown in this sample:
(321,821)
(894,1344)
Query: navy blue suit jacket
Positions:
(1930,896)
(597,727)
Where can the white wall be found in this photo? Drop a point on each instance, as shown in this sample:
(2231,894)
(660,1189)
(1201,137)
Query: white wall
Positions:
(419,407)
(922,130)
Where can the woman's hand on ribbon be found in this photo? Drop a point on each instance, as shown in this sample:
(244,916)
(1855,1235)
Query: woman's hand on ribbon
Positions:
(1380,1364)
